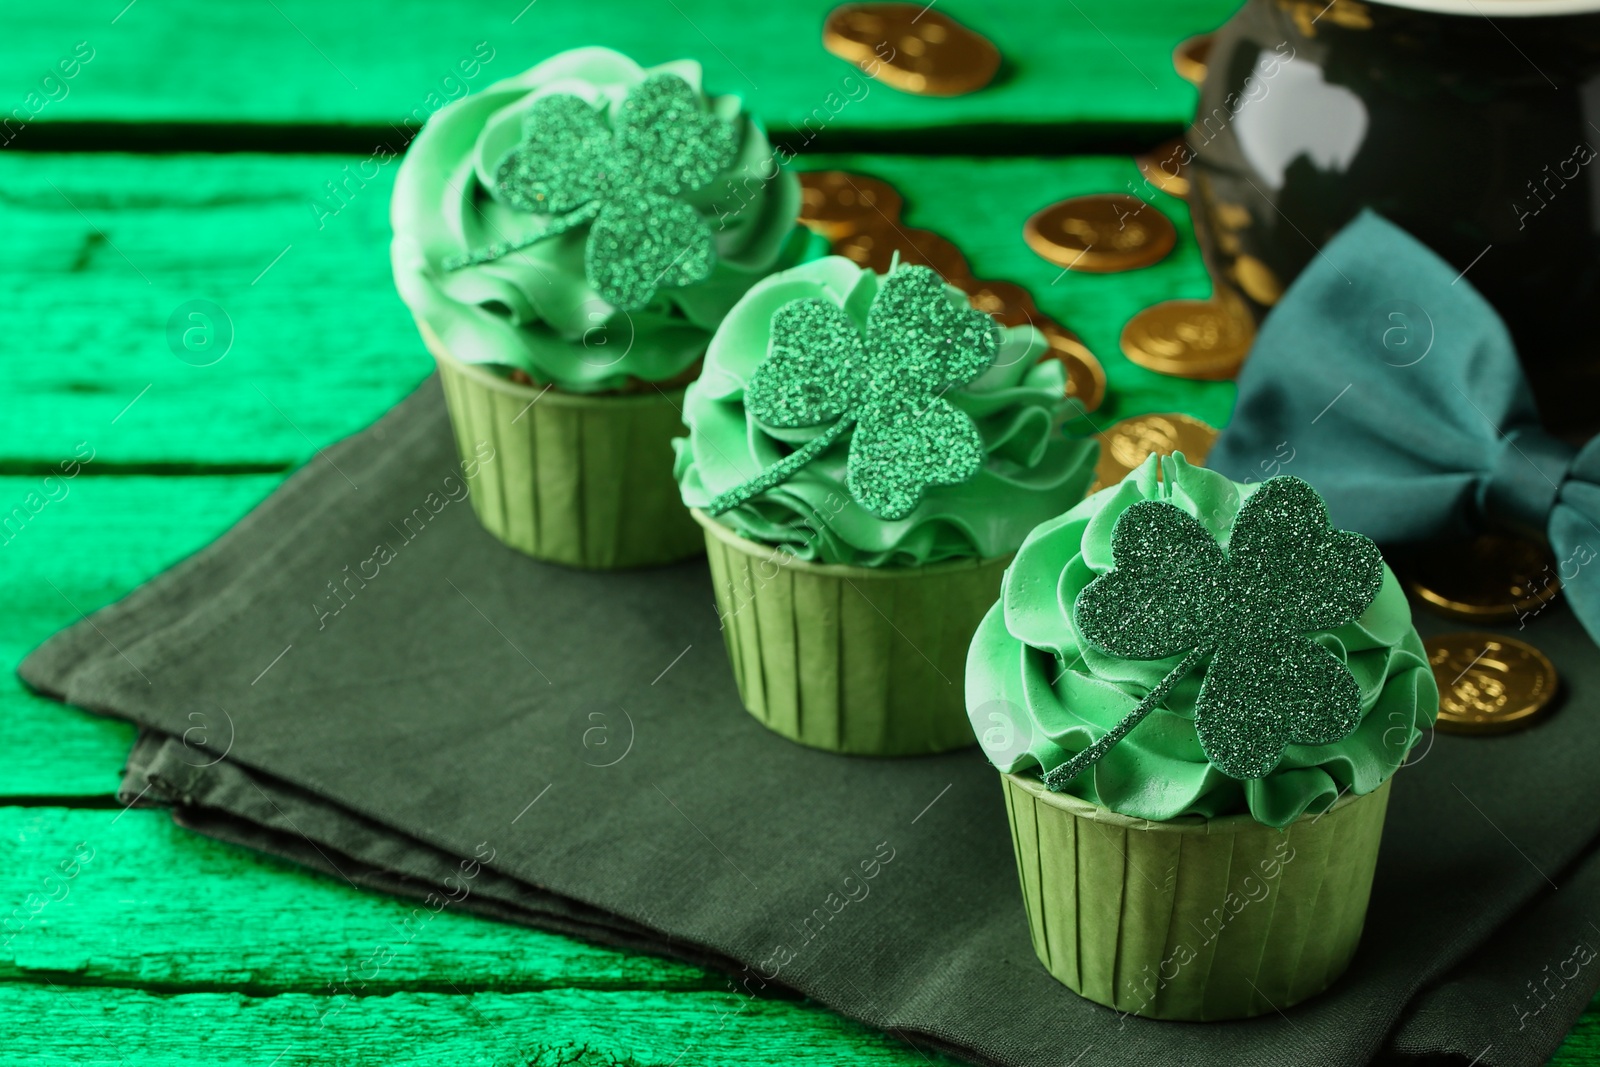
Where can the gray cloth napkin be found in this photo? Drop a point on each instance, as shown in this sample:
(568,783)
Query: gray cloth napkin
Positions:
(567,750)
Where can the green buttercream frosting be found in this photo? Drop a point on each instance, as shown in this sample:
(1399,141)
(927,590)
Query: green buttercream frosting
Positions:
(1038,693)
(1030,470)
(535,309)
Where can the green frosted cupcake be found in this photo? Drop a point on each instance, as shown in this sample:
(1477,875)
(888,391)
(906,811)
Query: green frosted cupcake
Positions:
(568,241)
(1198,693)
(865,452)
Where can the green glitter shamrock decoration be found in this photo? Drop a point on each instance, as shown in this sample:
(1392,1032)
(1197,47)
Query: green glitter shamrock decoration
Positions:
(1173,589)
(626,178)
(890,386)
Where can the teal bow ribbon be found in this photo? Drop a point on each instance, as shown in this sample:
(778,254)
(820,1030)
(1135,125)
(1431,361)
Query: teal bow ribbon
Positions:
(1394,389)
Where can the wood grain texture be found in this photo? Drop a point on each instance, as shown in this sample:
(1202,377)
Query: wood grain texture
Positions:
(97,537)
(1582,1046)
(146,907)
(322,345)
(555,1028)
(90,541)
(303,61)
(56,752)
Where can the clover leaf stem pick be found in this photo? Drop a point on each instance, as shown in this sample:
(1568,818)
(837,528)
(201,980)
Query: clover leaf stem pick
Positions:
(559,224)
(1173,589)
(781,471)
(1058,778)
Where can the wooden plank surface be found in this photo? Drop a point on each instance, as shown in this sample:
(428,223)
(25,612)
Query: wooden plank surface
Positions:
(92,539)
(100,887)
(1071,67)
(1582,1046)
(112,1027)
(322,345)
(54,752)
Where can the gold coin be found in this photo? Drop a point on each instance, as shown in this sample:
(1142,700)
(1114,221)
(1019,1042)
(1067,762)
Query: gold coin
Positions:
(1101,234)
(911,47)
(1231,220)
(874,248)
(1162,167)
(1488,578)
(1086,378)
(836,204)
(1203,339)
(1257,281)
(1007,303)
(1127,444)
(1190,57)
(1489,684)
(1231,216)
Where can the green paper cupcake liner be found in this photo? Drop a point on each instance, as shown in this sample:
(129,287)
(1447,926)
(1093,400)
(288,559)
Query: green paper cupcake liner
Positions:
(575,479)
(1193,919)
(858,660)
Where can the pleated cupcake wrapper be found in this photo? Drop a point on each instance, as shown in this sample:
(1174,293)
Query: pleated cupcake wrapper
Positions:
(581,480)
(1193,919)
(859,660)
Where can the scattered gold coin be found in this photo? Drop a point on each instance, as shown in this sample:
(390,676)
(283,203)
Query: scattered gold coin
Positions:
(1007,303)
(911,47)
(1127,444)
(1230,221)
(1489,684)
(1233,217)
(1257,280)
(1202,339)
(1162,167)
(1190,57)
(1086,378)
(836,204)
(874,248)
(1488,578)
(1101,234)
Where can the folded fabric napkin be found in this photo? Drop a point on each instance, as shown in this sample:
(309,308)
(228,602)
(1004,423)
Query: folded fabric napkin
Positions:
(1396,390)
(414,708)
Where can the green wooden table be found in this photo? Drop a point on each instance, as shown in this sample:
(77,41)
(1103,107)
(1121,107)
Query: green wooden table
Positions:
(185,158)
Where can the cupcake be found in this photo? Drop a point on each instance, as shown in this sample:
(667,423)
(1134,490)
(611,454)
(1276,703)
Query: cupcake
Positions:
(1197,693)
(865,453)
(568,241)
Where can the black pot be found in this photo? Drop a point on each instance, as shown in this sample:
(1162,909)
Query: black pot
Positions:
(1473,124)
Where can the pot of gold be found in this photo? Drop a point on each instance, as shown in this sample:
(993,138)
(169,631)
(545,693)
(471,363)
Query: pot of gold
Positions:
(1470,123)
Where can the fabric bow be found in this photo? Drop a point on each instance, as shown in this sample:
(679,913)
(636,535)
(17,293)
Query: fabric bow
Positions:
(1394,388)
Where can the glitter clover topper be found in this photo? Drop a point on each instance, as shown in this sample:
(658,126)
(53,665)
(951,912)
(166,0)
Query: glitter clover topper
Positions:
(1173,590)
(890,386)
(626,178)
